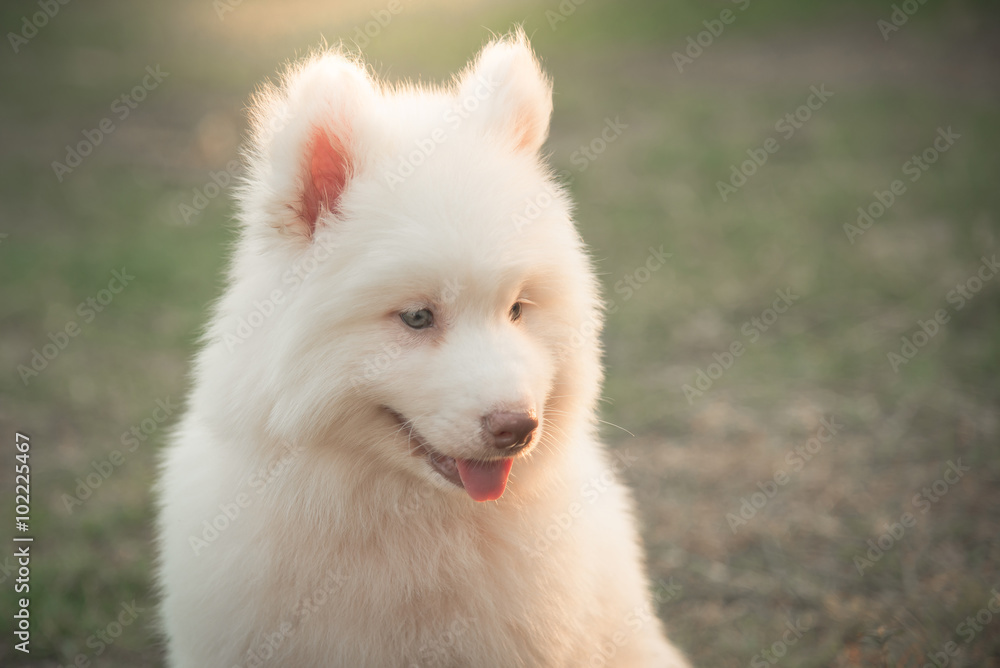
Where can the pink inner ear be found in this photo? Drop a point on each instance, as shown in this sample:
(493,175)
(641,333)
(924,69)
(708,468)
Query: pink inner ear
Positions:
(326,178)
(526,130)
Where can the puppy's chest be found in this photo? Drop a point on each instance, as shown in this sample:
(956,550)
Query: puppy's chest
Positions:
(419,594)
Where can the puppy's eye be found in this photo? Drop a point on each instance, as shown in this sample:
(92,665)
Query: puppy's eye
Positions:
(515,312)
(420,319)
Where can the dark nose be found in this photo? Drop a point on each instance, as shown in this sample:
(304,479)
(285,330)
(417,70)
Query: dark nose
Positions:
(510,431)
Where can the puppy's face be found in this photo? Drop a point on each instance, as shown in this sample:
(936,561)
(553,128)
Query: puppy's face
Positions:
(447,282)
(468,308)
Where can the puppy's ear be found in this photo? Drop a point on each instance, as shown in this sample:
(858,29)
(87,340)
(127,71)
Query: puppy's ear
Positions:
(307,143)
(513,94)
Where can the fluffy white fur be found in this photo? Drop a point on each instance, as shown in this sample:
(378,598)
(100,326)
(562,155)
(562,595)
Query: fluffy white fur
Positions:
(332,544)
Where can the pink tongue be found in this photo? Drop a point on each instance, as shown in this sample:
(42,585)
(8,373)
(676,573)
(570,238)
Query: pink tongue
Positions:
(484,481)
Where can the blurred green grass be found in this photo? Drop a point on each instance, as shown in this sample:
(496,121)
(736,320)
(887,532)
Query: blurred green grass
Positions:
(655,185)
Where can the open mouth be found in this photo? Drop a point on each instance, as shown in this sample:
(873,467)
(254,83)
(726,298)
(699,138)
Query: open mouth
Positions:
(482,480)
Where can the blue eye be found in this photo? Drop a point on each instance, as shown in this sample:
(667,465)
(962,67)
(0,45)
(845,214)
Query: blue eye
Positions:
(420,319)
(515,312)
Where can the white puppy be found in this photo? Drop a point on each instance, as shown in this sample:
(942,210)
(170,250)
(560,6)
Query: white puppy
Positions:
(389,457)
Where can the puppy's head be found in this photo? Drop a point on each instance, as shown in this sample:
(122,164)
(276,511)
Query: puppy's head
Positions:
(433,305)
